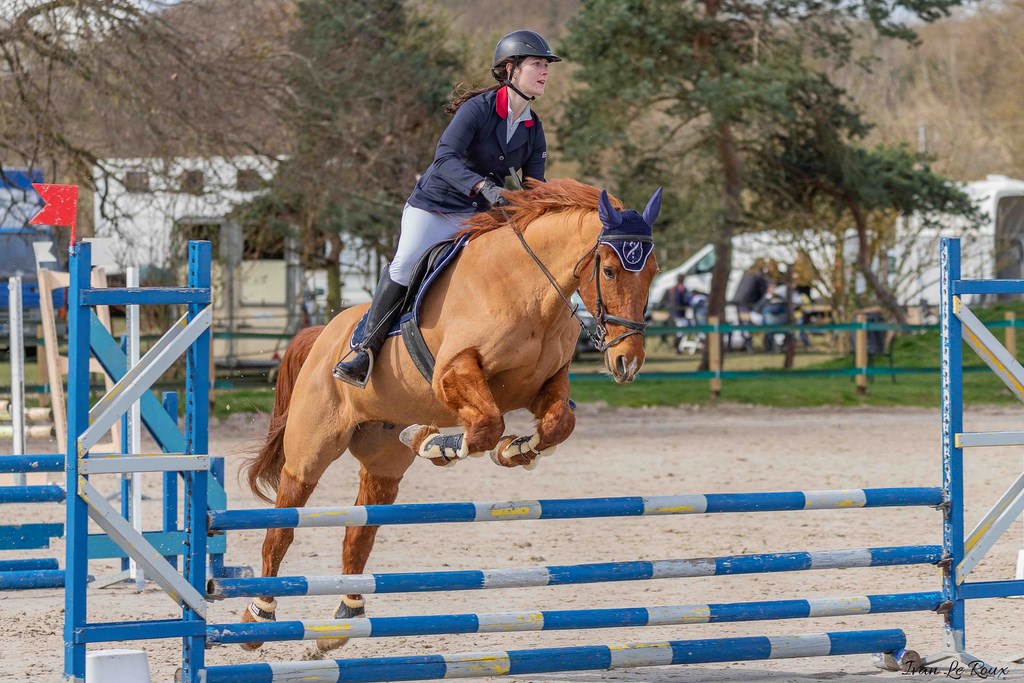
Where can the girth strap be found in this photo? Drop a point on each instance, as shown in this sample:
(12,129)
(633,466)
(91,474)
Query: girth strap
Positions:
(420,353)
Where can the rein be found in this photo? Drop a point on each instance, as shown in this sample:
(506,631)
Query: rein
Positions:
(601,316)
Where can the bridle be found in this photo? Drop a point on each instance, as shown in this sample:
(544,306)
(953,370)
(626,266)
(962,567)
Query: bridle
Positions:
(601,315)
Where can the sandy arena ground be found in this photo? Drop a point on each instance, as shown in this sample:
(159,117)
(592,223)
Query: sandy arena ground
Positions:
(614,452)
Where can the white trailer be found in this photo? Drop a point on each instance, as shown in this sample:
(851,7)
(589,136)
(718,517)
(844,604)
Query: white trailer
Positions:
(995,249)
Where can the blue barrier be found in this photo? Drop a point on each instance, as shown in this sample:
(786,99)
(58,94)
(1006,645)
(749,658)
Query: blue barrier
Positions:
(37,578)
(583,508)
(18,464)
(564,575)
(31,494)
(555,620)
(585,658)
(28,565)
(201,519)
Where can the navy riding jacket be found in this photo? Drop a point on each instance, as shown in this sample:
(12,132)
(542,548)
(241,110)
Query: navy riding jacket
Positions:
(473,148)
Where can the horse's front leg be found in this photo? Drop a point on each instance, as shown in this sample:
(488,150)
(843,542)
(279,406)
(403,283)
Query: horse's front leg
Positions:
(463,388)
(555,422)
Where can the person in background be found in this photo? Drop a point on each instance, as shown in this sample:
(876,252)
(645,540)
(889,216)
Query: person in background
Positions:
(750,291)
(676,301)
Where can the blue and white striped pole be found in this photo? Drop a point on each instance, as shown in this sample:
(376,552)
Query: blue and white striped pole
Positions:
(583,658)
(581,508)
(560,575)
(557,620)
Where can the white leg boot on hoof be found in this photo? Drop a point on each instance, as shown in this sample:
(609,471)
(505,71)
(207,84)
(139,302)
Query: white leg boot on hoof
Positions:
(510,447)
(441,449)
(259,610)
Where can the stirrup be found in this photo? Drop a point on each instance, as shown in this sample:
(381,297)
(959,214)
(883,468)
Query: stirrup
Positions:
(341,377)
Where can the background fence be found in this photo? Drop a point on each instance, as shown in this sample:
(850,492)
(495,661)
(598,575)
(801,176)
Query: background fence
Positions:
(861,351)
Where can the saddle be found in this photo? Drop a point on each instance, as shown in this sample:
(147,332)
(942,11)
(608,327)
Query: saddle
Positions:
(430,265)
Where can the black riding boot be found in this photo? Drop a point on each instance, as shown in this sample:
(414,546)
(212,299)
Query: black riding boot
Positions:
(385,307)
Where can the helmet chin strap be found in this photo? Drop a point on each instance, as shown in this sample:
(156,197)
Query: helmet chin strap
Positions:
(519,92)
(508,82)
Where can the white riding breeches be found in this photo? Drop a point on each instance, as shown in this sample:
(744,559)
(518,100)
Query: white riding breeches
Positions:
(420,231)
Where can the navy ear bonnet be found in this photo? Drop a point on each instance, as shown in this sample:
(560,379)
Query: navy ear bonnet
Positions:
(627,232)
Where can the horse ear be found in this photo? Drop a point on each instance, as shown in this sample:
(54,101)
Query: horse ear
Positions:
(609,216)
(653,208)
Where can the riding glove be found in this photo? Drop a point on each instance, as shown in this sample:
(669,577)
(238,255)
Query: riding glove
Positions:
(493,194)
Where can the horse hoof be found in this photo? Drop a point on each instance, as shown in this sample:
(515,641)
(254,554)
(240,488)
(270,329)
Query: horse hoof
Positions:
(324,645)
(349,608)
(409,434)
(259,610)
(518,447)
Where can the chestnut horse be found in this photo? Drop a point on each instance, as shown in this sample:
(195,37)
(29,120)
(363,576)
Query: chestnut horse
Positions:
(502,336)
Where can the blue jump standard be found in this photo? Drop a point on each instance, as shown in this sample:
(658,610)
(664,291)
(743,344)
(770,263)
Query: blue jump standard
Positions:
(581,508)
(584,658)
(554,620)
(642,570)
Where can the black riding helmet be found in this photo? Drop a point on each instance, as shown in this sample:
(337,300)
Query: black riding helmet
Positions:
(516,46)
(523,43)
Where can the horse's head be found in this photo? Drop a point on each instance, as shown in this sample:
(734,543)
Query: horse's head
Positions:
(616,292)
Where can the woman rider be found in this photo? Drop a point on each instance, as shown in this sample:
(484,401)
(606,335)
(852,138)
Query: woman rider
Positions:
(492,130)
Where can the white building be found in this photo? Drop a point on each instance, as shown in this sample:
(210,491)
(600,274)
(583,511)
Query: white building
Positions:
(142,203)
(151,208)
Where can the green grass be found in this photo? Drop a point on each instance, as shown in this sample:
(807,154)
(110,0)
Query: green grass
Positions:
(243,401)
(796,392)
(916,350)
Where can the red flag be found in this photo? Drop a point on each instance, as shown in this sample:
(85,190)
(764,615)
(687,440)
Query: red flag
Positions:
(61,206)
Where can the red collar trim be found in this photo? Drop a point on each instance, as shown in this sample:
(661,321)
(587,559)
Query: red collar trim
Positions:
(501,106)
(501,102)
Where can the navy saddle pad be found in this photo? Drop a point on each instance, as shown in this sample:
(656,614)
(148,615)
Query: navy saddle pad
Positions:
(430,266)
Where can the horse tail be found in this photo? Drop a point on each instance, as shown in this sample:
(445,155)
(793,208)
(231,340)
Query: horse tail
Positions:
(263,471)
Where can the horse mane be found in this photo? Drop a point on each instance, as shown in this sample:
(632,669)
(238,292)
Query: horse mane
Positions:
(526,206)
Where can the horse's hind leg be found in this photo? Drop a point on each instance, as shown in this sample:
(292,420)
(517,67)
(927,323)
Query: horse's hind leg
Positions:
(383,461)
(309,458)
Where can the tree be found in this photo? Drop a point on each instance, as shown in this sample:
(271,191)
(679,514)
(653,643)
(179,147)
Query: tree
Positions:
(679,93)
(83,80)
(811,163)
(369,84)
(956,95)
